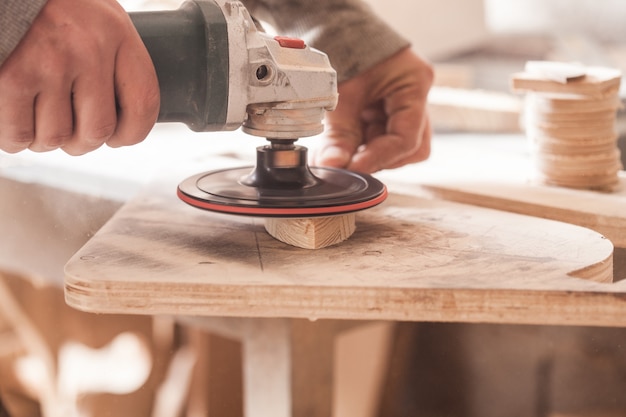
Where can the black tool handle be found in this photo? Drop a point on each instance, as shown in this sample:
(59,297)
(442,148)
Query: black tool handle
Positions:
(189,50)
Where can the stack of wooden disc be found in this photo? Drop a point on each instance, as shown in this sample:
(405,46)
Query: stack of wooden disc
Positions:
(570,121)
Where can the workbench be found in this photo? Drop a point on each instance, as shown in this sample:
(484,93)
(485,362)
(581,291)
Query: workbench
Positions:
(222,273)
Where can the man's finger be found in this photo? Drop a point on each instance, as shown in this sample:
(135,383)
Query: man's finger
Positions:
(137,92)
(94,110)
(54,124)
(17,121)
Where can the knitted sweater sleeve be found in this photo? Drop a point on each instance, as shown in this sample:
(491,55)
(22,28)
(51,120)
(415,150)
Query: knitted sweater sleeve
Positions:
(348,31)
(16,17)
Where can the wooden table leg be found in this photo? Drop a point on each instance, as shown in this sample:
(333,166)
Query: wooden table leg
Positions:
(288,364)
(312,363)
(267,369)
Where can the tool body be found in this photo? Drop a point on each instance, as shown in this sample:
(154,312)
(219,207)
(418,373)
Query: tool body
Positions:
(218,71)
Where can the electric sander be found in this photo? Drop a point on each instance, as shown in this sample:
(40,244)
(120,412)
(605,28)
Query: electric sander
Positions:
(219,71)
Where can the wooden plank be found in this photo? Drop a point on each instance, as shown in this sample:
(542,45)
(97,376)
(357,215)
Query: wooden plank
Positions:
(599,211)
(497,172)
(362,364)
(216,386)
(473,110)
(410,259)
(312,367)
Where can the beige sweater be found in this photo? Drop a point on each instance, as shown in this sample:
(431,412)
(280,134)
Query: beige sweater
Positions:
(347,30)
(16,17)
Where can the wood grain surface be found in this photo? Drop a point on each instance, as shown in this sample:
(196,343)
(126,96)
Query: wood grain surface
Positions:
(411,258)
(312,232)
(497,172)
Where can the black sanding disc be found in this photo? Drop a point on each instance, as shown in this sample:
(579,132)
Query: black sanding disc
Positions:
(336,191)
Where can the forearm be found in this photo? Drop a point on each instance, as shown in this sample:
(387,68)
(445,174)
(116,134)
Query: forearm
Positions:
(348,31)
(16,17)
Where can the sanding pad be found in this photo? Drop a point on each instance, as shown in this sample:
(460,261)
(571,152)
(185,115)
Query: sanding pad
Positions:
(335,191)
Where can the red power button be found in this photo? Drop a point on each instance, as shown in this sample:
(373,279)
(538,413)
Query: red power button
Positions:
(287,42)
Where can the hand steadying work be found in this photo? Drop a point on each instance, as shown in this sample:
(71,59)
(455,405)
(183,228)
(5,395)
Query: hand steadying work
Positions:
(381,120)
(79,78)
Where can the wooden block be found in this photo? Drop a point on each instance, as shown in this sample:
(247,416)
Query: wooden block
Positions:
(572,134)
(582,146)
(572,103)
(597,82)
(598,171)
(312,232)
(569,111)
(561,72)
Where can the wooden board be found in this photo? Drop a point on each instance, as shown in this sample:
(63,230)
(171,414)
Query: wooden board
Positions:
(473,110)
(410,259)
(497,172)
(603,212)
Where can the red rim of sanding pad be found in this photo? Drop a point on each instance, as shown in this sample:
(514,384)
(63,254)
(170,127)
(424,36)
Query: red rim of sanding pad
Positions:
(338,192)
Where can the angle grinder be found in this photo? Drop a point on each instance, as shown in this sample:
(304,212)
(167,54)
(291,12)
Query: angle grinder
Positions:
(219,71)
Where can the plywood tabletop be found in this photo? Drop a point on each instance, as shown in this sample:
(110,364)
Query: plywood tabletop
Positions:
(411,258)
